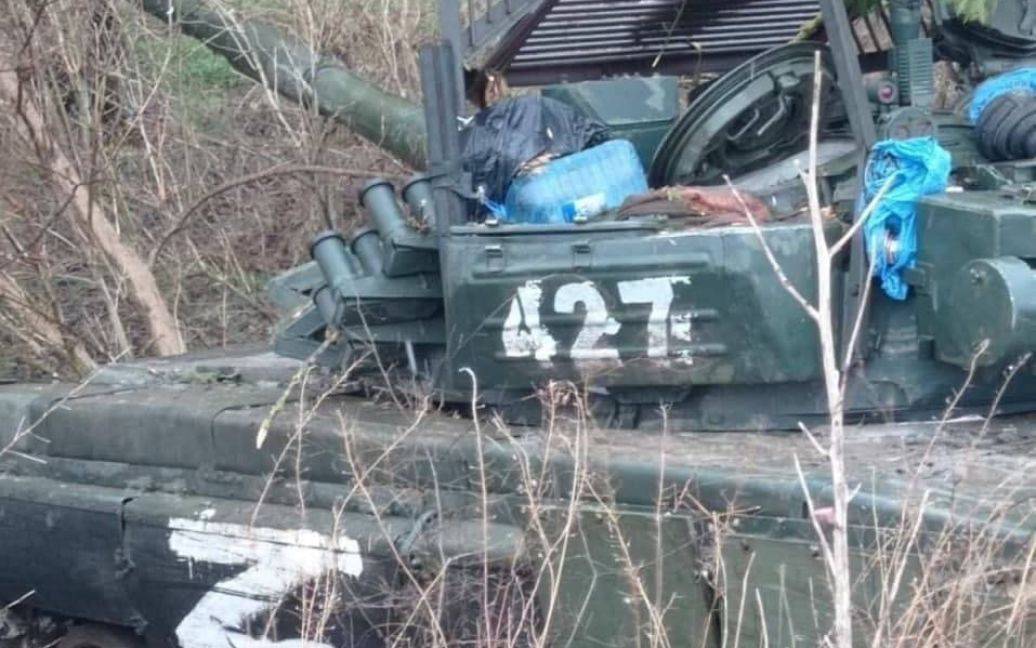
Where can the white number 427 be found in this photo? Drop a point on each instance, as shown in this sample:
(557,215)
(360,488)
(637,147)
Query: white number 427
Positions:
(525,337)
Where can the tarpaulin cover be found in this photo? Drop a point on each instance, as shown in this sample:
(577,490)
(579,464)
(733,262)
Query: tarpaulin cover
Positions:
(919,167)
(503,138)
(1022,80)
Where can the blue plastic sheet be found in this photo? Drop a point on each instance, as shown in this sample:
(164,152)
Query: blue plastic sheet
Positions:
(1022,80)
(919,167)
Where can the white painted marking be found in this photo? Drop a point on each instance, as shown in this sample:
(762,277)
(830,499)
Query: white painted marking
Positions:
(657,291)
(597,324)
(681,326)
(276,562)
(523,334)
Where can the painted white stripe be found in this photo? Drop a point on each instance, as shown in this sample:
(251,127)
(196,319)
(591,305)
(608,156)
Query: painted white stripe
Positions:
(276,562)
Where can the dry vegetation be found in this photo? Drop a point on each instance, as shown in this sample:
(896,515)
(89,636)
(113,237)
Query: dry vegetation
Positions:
(960,586)
(115,133)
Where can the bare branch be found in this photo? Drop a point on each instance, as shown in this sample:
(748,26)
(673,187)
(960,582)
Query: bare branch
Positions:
(813,440)
(770,257)
(864,216)
(182,219)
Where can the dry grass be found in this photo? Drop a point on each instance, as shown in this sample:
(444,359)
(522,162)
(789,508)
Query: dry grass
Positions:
(963,585)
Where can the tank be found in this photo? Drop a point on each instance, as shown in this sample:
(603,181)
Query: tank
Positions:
(608,432)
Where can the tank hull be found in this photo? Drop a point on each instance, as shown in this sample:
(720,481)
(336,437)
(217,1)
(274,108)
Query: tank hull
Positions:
(141,500)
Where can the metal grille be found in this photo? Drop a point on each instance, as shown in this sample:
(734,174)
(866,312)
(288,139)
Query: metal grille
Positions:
(579,39)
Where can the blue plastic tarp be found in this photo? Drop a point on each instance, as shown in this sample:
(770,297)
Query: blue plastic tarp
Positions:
(1022,80)
(919,167)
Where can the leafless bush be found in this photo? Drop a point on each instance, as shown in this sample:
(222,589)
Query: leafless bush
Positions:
(963,584)
(114,240)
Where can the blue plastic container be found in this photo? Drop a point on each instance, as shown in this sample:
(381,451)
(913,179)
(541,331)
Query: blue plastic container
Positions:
(583,185)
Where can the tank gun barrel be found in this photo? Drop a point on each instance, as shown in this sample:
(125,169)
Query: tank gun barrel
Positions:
(286,64)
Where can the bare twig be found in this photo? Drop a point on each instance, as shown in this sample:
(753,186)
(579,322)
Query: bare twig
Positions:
(862,219)
(835,552)
(295,169)
(770,257)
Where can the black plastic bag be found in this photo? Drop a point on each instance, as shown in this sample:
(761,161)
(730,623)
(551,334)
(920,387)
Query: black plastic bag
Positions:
(506,136)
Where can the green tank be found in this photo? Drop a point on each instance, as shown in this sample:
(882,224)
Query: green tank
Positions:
(470,432)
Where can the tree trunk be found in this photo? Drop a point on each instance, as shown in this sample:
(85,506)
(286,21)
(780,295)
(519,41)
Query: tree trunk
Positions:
(165,333)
